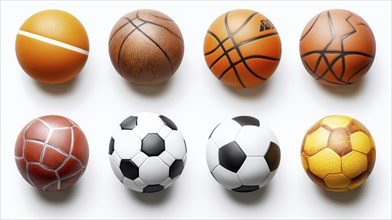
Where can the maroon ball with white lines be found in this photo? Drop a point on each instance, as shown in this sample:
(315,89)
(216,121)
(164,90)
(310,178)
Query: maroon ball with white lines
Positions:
(51,153)
(146,47)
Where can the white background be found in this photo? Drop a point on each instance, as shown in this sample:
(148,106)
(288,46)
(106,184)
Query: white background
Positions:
(290,102)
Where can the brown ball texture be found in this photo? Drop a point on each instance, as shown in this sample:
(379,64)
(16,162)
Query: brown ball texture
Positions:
(146,47)
(242,48)
(52,46)
(51,153)
(337,47)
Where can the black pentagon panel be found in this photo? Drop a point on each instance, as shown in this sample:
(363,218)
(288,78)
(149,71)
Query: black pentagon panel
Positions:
(231,156)
(129,123)
(153,145)
(152,188)
(129,169)
(246,188)
(273,156)
(176,168)
(169,123)
(247,120)
(111,146)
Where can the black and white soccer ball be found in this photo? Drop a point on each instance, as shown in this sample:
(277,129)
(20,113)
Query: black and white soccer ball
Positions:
(242,154)
(147,152)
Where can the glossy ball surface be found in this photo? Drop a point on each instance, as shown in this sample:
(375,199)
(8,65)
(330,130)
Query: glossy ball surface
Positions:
(242,48)
(51,153)
(337,47)
(146,47)
(52,46)
(147,152)
(243,155)
(338,153)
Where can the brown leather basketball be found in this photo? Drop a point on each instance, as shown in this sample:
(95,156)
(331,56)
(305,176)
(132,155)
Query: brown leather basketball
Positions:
(146,47)
(242,48)
(337,47)
(51,153)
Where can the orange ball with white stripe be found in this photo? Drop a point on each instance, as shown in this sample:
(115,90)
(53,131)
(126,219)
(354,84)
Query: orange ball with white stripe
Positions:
(52,46)
(338,153)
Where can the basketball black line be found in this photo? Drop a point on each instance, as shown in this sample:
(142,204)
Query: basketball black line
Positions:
(220,44)
(342,55)
(167,29)
(150,22)
(156,44)
(241,44)
(235,32)
(311,27)
(122,43)
(238,50)
(359,70)
(238,62)
(257,38)
(345,53)
(259,57)
(111,38)
(126,18)
(166,19)
(316,76)
(329,43)
(227,55)
(367,26)
(329,67)
(342,45)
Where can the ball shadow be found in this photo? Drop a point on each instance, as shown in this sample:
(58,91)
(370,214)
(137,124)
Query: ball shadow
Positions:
(156,198)
(58,197)
(248,92)
(58,89)
(249,198)
(150,90)
(348,197)
(346,90)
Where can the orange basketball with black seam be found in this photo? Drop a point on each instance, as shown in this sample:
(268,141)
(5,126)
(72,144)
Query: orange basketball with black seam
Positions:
(52,46)
(337,47)
(242,48)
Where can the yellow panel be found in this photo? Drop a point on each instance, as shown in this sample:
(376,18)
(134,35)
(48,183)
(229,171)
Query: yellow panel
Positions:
(316,141)
(325,162)
(361,142)
(304,159)
(337,181)
(353,164)
(336,121)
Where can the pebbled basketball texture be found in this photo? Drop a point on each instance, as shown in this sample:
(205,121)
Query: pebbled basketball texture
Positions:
(337,47)
(146,47)
(242,48)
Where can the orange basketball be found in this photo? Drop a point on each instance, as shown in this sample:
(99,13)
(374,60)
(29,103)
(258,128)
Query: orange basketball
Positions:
(242,48)
(337,47)
(52,46)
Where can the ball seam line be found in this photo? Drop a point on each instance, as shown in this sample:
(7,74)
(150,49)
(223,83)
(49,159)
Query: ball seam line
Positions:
(53,42)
